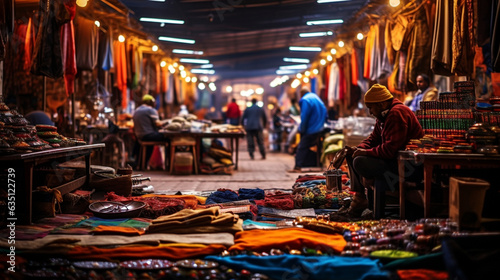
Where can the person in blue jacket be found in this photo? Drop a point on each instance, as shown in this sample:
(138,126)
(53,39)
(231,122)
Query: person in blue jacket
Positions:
(312,120)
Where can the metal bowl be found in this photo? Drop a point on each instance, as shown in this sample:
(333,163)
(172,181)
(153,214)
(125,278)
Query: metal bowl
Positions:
(116,210)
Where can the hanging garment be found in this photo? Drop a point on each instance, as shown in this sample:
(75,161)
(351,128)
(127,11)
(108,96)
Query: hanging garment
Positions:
(341,81)
(6,24)
(463,38)
(333,87)
(391,53)
(380,63)
(29,46)
(326,75)
(354,67)
(418,55)
(495,37)
(121,71)
(441,54)
(47,60)
(370,41)
(106,50)
(68,49)
(87,40)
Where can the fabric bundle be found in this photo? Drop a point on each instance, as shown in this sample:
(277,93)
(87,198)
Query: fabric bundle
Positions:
(197,221)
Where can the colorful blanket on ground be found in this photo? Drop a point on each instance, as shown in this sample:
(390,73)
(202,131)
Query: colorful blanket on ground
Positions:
(43,226)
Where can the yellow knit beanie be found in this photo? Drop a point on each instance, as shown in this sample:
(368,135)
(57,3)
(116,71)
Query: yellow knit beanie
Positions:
(377,93)
(148,97)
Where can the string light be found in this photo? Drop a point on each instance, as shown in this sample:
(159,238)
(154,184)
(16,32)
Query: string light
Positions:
(155,48)
(81,3)
(333,51)
(360,36)
(322,62)
(229,89)
(298,75)
(305,80)
(121,38)
(188,79)
(307,73)
(341,44)
(329,58)
(163,63)
(316,71)
(194,79)
(181,67)
(394,3)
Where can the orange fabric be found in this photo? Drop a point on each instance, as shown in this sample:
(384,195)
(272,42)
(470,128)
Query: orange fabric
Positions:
(354,67)
(370,41)
(423,274)
(117,230)
(191,200)
(121,70)
(260,240)
(29,45)
(139,252)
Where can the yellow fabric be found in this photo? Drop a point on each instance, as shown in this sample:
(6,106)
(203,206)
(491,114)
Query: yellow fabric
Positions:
(377,93)
(148,97)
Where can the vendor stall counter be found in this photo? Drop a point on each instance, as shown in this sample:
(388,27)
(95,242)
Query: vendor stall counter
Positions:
(429,161)
(19,176)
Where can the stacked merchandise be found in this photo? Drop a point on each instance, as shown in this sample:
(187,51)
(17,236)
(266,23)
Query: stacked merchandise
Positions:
(452,114)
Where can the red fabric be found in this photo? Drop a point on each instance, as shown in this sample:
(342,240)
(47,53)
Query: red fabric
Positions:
(29,45)
(279,201)
(388,138)
(233,110)
(68,48)
(305,178)
(121,70)
(327,81)
(354,67)
(139,252)
(422,274)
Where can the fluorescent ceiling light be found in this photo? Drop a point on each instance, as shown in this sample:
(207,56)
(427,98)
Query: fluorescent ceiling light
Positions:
(296,60)
(305,49)
(156,0)
(194,60)
(331,1)
(176,40)
(161,20)
(290,67)
(284,72)
(315,34)
(187,51)
(326,21)
(203,71)
(205,66)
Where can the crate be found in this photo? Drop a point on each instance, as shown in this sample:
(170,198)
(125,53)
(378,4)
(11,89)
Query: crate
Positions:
(466,201)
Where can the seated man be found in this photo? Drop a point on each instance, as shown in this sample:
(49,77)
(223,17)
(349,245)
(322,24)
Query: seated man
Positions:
(147,124)
(376,156)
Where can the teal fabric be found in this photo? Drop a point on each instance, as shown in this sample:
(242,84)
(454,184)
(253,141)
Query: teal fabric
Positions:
(294,267)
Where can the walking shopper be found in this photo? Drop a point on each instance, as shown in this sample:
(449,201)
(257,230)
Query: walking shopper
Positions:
(233,113)
(375,159)
(312,120)
(254,120)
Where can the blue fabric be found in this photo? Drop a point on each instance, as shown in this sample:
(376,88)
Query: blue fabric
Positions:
(221,197)
(313,183)
(312,114)
(306,267)
(251,194)
(415,103)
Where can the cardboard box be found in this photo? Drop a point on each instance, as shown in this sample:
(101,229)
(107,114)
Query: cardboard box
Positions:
(467,200)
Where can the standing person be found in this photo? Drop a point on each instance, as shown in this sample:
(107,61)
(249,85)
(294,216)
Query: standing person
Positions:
(294,108)
(376,156)
(278,128)
(147,124)
(312,120)
(425,92)
(254,120)
(233,113)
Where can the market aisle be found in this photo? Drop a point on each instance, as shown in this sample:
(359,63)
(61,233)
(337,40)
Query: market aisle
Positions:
(265,174)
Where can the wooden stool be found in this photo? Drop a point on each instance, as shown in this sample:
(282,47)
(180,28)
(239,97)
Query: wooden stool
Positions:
(142,152)
(183,142)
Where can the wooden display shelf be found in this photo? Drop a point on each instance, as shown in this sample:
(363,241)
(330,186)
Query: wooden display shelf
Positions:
(21,182)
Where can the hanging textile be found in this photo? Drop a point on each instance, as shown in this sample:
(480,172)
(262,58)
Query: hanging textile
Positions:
(418,54)
(47,60)
(87,42)
(341,80)
(68,49)
(121,71)
(380,66)
(333,87)
(29,46)
(179,93)
(370,41)
(495,36)
(169,98)
(326,75)
(106,50)
(347,78)
(463,38)
(6,24)
(441,54)
(314,85)
(158,78)
(391,53)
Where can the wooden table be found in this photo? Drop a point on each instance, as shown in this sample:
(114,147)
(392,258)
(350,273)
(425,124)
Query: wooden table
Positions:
(429,161)
(95,133)
(22,166)
(198,136)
